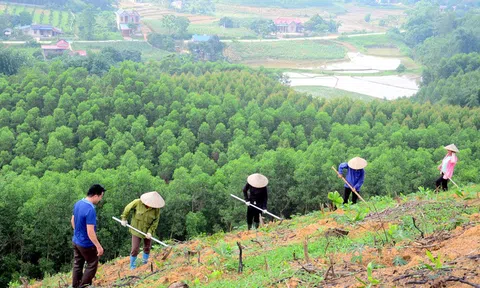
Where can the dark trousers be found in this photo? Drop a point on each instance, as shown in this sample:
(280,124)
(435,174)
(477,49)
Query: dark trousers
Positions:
(346,195)
(253,214)
(80,256)
(147,244)
(443,182)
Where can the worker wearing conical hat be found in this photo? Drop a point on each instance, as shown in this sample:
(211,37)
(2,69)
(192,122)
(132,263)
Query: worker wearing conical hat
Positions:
(355,176)
(255,192)
(145,217)
(447,166)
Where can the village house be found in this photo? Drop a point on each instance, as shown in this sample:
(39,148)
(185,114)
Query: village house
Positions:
(128,22)
(41,31)
(59,49)
(288,25)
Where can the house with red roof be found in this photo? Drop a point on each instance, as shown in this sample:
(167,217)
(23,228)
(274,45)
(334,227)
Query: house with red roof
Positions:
(288,25)
(59,48)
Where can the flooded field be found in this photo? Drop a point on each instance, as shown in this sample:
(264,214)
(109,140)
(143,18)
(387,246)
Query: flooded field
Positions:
(383,87)
(360,63)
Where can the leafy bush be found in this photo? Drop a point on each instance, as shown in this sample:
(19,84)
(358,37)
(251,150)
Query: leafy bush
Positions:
(164,42)
(195,224)
(336,198)
(401,68)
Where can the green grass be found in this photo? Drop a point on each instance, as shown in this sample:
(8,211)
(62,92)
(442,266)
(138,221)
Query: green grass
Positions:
(56,18)
(19,9)
(64,25)
(328,93)
(155,25)
(215,29)
(219,13)
(105,21)
(437,214)
(209,29)
(334,7)
(38,11)
(362,43)
(21,48)
(434,212)
(36,18)
(384,46)
(148,52)
(288,50)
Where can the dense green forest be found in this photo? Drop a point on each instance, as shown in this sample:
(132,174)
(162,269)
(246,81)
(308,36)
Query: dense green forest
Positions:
(12,60)
(194,132)
(436,35)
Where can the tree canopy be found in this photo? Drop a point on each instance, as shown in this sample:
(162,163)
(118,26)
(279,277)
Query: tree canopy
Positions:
(194,132)
(446,41)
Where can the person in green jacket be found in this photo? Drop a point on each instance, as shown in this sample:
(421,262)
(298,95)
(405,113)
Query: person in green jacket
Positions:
(145,217)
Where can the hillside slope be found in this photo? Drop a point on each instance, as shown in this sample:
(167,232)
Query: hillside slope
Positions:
(383,248)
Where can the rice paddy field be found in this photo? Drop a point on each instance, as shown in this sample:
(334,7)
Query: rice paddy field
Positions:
(58,18)
(290,50)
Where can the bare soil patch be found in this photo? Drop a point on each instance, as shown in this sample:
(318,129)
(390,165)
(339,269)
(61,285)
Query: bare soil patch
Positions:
(354,19)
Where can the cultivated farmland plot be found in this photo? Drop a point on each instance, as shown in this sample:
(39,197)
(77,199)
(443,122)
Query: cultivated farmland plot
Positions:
(58,18)
(423,237)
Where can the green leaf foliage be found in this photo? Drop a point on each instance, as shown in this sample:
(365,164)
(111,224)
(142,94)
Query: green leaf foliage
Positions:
(194,132)
(336,198)
(446,41)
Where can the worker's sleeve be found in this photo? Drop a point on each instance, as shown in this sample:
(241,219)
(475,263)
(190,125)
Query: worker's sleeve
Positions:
(360,180)
(342,166)
(454,159)
(128,208)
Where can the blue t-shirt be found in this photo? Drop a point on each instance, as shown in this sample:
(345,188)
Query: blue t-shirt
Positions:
(354,177)
(84,214)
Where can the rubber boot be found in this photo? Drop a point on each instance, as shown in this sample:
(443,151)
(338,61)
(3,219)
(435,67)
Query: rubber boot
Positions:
(249,226)
(256,225)
(145,258)
(133,260)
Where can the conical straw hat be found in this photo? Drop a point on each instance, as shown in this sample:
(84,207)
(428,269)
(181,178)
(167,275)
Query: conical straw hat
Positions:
(257,180)
(451,147)
(357,163)
(152,199)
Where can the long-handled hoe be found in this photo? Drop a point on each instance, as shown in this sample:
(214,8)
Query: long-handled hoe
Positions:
(437,189)
(135,229)
(258,208)
(360,197)
(453,182)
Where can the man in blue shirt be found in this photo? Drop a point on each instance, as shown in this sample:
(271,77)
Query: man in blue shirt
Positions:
(86,247)
(355,176)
